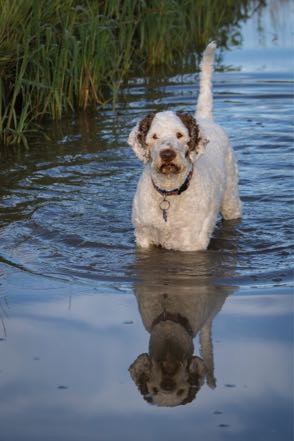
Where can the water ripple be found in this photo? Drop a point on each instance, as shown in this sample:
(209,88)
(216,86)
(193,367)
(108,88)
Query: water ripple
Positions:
(65,207)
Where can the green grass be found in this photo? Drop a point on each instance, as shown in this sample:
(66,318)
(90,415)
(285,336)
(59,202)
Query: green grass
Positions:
(59,57)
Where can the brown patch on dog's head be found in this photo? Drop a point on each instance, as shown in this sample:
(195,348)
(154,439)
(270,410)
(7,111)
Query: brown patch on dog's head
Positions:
(144,127)
(193,130)
(137,137)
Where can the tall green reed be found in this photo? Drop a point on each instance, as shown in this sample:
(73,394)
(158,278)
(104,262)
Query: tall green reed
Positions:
(58,57)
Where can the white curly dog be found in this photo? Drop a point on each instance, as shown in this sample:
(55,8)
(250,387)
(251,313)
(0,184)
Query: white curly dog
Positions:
(190,174)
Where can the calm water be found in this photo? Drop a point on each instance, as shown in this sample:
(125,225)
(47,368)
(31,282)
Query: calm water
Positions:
(77,299)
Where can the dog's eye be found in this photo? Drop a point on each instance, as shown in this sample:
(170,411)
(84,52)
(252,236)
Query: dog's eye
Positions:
(154,136)
(179,135)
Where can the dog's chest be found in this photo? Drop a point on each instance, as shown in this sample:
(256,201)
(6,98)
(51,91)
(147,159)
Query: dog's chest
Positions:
(176,221)
(164,213)
(164,223)
(151,208)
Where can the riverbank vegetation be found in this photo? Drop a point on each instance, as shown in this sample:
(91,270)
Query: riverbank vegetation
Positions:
(59,57)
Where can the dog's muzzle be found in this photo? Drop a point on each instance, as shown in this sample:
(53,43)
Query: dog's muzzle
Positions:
(167,166)
(167,155)
(168,384)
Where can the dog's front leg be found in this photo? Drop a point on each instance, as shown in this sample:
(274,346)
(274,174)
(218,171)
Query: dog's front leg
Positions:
(195,236)
(143,239)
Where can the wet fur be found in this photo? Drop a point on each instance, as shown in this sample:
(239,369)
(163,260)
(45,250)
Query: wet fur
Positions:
(198,143)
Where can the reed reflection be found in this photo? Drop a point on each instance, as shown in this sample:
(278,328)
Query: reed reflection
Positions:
(178,298)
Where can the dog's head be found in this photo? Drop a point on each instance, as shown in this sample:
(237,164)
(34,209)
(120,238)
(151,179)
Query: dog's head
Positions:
(169,375)
(169,141)
(168,383)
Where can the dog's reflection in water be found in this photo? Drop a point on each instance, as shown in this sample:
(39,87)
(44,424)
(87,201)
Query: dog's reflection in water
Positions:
(174,309)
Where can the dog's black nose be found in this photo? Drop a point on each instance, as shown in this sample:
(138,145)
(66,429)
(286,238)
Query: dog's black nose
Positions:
(168,384)
(167,155)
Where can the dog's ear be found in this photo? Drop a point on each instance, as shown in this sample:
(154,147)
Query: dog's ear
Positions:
(198,139)
(140,372)
(137,137)
(200,148)
(199,372)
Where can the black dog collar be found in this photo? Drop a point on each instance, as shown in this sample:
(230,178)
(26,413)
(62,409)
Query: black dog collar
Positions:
(165,204)
(176,318)
(176,191)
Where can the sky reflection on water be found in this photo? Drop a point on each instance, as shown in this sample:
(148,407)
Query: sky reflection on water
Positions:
(73,285)
(75,353)
(268,42)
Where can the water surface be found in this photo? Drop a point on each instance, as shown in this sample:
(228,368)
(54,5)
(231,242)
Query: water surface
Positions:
(78,299)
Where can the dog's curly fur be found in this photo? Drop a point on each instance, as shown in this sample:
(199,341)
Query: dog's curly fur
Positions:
(193,129)
(144,127)
(177,147)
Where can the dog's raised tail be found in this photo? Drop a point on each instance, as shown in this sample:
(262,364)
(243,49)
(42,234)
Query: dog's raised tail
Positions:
(204,107)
